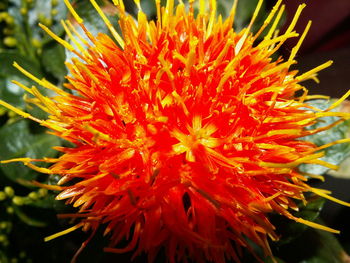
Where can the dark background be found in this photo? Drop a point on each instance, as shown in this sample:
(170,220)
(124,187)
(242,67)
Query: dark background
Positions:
(328,39)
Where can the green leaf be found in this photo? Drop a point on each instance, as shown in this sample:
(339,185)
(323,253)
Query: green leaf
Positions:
(10,92)
(3,257)
(92,20)
(343,171)
(344,166)
(336,153)
(274,260)
(244,12)
(28,219)
(16,141)
(289,229)
(53,58)
(314,246)
(49,202)
(149,8)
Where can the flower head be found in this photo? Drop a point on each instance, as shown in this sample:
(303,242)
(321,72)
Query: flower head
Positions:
(186,133)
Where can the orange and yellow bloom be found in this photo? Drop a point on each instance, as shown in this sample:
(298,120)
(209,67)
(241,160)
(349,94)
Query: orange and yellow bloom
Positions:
(186,133)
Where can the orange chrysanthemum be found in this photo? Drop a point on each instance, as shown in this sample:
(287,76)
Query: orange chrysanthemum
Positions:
(186,133)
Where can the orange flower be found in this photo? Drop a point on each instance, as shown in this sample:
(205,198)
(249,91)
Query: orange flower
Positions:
(186,133)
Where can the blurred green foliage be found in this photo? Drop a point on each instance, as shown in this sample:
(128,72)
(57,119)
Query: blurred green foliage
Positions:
(336,153)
